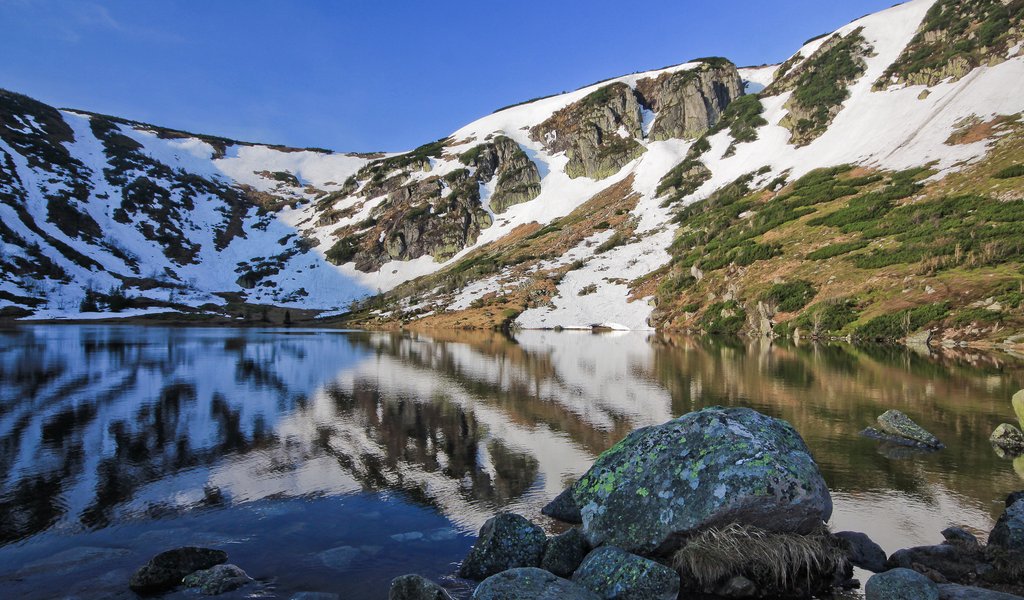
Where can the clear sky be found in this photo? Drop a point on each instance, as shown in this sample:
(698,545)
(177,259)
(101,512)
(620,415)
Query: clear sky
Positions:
(363,75)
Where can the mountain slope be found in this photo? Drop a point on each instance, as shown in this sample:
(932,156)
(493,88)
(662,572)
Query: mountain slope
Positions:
(574,210)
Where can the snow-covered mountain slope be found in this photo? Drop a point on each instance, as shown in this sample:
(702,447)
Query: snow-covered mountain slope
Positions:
(564,211)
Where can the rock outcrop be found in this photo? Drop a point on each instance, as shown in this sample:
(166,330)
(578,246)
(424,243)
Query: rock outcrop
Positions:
(689,102)
(518,177)
(715,466)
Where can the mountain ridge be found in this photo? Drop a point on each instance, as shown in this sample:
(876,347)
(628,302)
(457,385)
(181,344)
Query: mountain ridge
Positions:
(395,238)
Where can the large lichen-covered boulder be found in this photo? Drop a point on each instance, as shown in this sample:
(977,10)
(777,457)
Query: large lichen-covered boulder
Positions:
(507,541)
(614,574)
(529,583)
(711,467)
(901,584)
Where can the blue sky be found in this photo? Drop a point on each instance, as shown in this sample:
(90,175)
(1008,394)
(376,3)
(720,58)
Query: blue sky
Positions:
(356,75)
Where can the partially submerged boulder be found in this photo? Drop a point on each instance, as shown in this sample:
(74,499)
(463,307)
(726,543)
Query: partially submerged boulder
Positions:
(898,428)
(415,587)
(862,551)
(613,573)
(506,541)
(949,563)
(1008,437)
(529,583)
(167,569)
(714,466)
(218,579)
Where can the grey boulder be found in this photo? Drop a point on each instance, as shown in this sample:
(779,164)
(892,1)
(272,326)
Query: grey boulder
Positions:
(563,508)
(529,583)
(217,579)
(1008,437)
(565,552)
(506,541)
(166,570)
(901,584)
(898,428)
(718,465)
(415,587)
(952,591)
(614,574)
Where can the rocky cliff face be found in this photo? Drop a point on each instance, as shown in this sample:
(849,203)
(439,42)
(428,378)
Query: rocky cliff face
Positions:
(689,103)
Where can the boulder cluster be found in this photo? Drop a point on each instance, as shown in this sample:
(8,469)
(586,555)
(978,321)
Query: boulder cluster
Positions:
(201,569)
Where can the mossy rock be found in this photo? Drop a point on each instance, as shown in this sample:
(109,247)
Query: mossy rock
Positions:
(611,572)
(718,465)
(507,541)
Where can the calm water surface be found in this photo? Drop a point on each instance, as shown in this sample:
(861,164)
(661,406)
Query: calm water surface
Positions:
(332,461)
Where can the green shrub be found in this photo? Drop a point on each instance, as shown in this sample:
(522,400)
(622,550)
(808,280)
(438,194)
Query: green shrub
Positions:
(897,325)
(1010,172)
(836,250)
(343,251)
(725,318)
(790,296)
(980,316)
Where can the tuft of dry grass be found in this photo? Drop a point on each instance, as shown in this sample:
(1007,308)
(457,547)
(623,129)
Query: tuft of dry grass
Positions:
(779,560)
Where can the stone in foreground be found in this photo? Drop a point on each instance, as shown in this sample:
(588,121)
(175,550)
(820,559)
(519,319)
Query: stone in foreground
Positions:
(718,465)
(901,584)
(1008,534)
(506,541)
(862,551)
(529,583)
(565,552)
(615,574)
(217,580)
(415,587)
(166,570)
(896,427)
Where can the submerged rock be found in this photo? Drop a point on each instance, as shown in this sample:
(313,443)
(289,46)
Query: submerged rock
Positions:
(714,466)
(565,552)
(862,551)
(166,570)
(898,428)
(901,584)
(529,583)
(563,508)
(613,573)
(217,580)
(506,541)
(415,587)
(1009,438)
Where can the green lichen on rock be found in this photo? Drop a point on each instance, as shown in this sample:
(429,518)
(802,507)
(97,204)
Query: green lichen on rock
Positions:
(713,466)
(612,573)
(896,423)
(529,583)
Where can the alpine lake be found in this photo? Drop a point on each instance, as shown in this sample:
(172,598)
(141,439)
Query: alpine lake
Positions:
(334,461)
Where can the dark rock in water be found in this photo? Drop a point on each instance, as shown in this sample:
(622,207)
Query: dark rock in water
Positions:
(1008,534)
(952,591)
(1009,438)
(737,587)
(714,466)
(1013,498)
(563,508)
(901,584)
(613,573)
(877,434)
(506,541)
(565,552)
(863,552)
(955,562)
(899,426)
(960,536)
(315,596)
(530,583)
(414,587)
(217,580)
(166,570)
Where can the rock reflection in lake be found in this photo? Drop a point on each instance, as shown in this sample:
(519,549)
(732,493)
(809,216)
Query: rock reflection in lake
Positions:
(385,451)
